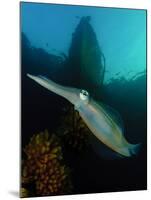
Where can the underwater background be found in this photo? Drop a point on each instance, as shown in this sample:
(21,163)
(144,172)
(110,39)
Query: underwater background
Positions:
(102,50)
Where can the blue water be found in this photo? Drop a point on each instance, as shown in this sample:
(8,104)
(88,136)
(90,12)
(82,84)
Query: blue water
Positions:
(121,33)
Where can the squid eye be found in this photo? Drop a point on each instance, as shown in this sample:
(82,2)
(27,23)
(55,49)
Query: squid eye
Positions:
(84,95)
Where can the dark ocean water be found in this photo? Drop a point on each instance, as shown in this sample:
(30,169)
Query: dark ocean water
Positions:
(124,89)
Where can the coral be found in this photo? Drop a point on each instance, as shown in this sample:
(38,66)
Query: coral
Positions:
(75,131)
(44,166)
(24,193)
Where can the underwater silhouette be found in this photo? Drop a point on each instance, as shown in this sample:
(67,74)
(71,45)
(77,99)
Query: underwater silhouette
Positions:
(86,60)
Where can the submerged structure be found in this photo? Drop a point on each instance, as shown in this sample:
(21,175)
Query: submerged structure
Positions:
(86,60)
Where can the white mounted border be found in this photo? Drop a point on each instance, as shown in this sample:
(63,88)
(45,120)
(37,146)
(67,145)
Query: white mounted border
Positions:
(10,95)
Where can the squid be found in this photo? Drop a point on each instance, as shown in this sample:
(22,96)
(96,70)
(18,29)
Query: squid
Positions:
(99,117)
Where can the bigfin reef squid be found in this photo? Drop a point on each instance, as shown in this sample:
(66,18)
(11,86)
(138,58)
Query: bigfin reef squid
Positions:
(98,117)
